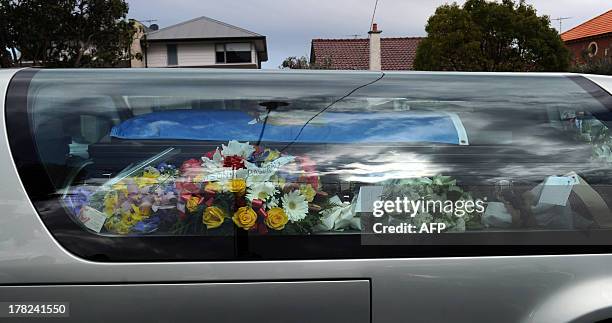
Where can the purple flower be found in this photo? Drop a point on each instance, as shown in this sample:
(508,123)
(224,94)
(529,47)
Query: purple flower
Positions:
(76,199)
(147,226)
(258,156)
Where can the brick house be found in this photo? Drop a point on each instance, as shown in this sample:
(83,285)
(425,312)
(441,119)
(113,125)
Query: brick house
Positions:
(373,53)
(592,38)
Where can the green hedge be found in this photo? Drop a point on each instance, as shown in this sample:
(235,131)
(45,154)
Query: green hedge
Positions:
(601,66)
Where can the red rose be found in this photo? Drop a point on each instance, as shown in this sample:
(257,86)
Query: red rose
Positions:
(210,154)
(235,162)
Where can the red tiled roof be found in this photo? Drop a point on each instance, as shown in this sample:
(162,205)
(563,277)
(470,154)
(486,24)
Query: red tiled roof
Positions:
(354,54)
(599,25)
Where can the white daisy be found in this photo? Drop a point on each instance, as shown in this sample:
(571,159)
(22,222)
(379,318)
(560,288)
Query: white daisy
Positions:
(295,206)
(261,191)
(273,202)
(235,148)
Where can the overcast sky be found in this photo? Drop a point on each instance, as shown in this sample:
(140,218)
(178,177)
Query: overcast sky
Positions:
(289,25)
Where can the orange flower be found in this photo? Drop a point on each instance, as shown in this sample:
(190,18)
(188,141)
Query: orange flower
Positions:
(245,218)
(277,218)
(237,185)
(213,217)
(192,203)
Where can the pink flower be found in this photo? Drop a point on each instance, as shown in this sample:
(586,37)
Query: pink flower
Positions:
(191,167)
(188,186)
(309,167)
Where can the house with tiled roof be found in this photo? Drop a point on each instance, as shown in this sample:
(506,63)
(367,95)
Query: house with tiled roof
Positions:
(592,38)
(372,53)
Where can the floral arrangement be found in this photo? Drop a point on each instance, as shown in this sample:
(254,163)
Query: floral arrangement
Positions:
(238,185)
(592,131)
(437,188)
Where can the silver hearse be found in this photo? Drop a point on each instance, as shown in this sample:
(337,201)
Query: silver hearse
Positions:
(272,196)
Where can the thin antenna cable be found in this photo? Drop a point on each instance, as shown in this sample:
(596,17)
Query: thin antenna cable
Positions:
(373,14)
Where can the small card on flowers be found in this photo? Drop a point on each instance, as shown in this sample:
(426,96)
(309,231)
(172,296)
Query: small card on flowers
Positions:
(92,218)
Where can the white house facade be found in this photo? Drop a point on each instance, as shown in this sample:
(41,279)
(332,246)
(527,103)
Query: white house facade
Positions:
(204,42)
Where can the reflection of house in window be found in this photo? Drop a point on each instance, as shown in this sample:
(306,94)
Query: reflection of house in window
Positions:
(204,42)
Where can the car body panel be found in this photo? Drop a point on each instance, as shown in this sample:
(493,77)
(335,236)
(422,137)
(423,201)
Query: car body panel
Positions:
(554,288)
(605,82)
(196,302)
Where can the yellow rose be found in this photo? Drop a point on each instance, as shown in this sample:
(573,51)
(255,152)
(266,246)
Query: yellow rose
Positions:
(192,203)
(277,218)
(237,185)
(245,218)
(213,186)
(308,192)
(213,217)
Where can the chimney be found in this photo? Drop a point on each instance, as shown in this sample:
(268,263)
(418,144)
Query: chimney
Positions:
(375,55)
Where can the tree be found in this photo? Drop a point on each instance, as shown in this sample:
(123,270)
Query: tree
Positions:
(491,36)
(103,34)
(303,63)
(295,63)
(68,33)
(6,30)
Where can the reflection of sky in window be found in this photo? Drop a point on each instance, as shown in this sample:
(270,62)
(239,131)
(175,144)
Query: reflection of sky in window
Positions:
(504,114)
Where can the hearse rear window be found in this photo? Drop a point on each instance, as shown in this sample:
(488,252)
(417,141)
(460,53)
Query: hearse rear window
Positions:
(216,165)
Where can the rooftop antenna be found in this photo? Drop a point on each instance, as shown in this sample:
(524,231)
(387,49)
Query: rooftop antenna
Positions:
(373,15)
(149,21)
(355,36)
(560,20)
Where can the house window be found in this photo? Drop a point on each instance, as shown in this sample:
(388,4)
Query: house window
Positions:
(233,53)
(172,54)
(592,49)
